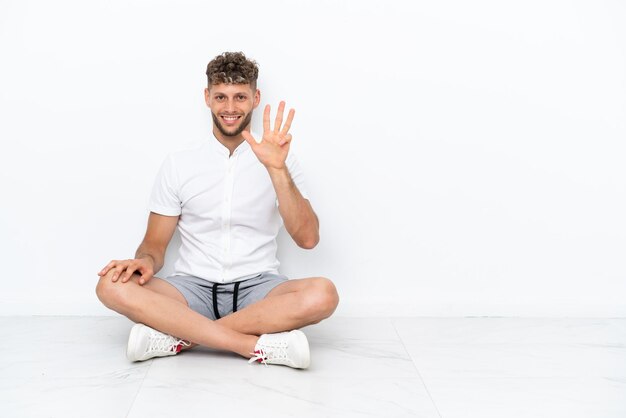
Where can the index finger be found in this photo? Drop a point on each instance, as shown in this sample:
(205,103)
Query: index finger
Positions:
(107,267)
(287,125)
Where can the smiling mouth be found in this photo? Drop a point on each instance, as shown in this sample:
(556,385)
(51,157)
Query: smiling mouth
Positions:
(229,119)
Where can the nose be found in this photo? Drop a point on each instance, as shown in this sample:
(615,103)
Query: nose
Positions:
(230,106)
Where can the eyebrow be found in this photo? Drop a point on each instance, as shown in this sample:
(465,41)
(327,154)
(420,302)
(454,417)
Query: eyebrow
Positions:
(219,93)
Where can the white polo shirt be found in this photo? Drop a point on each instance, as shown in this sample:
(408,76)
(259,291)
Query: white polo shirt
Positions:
(228,210)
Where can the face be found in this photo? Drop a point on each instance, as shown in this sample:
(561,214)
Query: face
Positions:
(231,106)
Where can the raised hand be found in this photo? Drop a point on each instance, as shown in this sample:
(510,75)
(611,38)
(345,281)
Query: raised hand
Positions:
(274,146)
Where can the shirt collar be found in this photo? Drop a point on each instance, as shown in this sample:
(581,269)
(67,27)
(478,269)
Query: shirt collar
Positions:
(222,150)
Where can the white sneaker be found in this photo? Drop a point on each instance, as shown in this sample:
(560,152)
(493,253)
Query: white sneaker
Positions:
(145,343)
(286,348)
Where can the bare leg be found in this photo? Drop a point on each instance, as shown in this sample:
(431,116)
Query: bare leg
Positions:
(172,317)
(290,305)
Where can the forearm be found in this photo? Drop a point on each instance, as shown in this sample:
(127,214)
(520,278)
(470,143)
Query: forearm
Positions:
(298,216)
(152,253)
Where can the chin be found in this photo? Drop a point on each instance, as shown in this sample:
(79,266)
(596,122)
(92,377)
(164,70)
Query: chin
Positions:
(231,132)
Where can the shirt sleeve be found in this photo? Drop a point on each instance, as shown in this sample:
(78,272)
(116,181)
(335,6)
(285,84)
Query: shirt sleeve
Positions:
(164,198)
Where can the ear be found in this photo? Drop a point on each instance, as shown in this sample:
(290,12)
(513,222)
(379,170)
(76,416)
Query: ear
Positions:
(257,98)
(206,96)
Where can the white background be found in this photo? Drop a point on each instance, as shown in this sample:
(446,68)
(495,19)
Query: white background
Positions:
(464,158)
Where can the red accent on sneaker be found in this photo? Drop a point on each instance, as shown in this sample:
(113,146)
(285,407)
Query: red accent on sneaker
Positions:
(179,347)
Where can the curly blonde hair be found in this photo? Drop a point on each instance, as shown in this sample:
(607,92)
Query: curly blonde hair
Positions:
(232,68)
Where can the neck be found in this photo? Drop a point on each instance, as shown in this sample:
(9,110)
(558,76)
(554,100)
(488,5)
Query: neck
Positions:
(230,142)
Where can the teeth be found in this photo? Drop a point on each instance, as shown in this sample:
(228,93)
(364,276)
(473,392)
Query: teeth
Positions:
(231,117)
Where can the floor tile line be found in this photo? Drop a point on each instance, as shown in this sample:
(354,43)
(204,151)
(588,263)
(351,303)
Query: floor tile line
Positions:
(415,366)
(132,404)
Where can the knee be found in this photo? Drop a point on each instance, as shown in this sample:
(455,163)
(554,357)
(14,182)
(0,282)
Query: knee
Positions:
(113,295)
(322,299)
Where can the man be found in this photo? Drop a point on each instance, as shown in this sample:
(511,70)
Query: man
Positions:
(228,198)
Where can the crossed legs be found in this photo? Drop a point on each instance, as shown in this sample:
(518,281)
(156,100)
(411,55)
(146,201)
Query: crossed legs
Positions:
(158,304)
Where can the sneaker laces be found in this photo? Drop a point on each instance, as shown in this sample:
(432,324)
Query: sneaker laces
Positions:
(160,342)
(270,351)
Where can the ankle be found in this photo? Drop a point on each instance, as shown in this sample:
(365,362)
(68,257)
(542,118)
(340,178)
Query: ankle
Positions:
(247,348)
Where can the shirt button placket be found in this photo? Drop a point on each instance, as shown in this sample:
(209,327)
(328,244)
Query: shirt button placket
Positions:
(226,214)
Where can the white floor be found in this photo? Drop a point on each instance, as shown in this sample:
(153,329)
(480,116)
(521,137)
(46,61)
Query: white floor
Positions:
(417,367)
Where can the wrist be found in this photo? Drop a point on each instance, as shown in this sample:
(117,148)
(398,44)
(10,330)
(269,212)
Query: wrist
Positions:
(277,170)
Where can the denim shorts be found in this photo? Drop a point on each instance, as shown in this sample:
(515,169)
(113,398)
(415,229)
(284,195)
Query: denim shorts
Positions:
(215,300)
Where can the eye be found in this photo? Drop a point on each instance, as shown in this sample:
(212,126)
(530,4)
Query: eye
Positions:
(219,97)
(241,97)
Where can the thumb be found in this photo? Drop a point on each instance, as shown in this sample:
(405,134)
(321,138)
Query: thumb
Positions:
(249,138)
(145,276)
